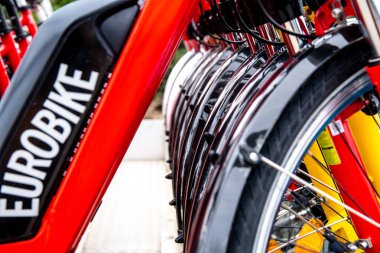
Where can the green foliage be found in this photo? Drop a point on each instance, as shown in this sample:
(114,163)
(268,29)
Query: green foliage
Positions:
(59,3)
(180,52)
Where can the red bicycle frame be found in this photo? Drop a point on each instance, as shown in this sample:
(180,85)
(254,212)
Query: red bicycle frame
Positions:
(132,86)
(27,20)
(9,50)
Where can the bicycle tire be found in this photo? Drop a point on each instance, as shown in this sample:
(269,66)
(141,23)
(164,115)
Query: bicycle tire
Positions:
(253,206)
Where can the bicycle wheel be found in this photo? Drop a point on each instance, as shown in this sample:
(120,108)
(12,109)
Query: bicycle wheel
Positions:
(332,87)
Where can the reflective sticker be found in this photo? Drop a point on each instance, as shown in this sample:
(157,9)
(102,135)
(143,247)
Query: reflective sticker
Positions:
(336,128)
(328,149)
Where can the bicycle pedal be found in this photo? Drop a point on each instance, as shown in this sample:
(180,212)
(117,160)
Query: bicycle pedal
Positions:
(169,176)
(208,137)
(213,156)
(179,239)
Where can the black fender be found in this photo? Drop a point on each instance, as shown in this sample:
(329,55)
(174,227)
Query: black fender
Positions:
(257,124)
(74,52)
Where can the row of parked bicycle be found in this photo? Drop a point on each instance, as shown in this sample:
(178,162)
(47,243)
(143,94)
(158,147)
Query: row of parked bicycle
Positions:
(260,95)
(19,20)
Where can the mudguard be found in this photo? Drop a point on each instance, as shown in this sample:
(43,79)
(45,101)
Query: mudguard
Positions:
(172,87)
(50,102)
(258,123)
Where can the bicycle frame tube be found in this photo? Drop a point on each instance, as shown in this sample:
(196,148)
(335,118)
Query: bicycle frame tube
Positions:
(26,19)
(348,163)
(132,86)
(10,50)
(4,79)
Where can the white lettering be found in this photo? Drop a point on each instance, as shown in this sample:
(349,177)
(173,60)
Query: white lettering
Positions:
(52,127)
(61,111)
(43,138)
(18,210)
(76,80)
(66,98)
(46,121)
(24,193)
(24,162)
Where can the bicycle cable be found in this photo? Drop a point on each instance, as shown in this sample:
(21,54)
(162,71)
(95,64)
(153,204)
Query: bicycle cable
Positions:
(219,12)
(280,27)
(207,44)
(220,37)
(224,39)
(253,34)
(198,39)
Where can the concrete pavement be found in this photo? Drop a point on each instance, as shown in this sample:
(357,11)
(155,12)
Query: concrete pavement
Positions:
(135,216)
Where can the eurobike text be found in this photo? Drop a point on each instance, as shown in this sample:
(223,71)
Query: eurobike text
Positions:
(52,125)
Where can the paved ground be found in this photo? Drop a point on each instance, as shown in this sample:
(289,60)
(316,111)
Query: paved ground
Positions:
(134,216)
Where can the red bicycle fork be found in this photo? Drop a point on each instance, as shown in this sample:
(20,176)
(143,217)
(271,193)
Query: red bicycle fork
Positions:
(9,50)
(353,181)
(27,20)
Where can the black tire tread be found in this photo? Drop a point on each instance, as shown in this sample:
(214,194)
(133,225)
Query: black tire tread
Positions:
(309,97)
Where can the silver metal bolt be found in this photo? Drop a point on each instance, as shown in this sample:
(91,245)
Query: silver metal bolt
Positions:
(254,157)
(352,247)
(337,13)
(365,243)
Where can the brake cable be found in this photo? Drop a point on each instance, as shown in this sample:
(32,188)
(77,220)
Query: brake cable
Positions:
(219,12)
(252,33)
(220,37)
(280,27)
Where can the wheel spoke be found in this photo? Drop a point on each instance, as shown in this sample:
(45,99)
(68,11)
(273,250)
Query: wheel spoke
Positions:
(317,180)
(256,158)
(356,158)
(336,182)
(327,186)
(305,235)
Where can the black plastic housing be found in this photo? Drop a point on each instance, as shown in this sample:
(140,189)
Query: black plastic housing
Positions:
(250,10)
(227,11)
(315,4)
(87,36)
(280,10)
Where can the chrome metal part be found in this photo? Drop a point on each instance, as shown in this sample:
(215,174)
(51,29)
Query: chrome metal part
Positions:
(293,43)
(368,12)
